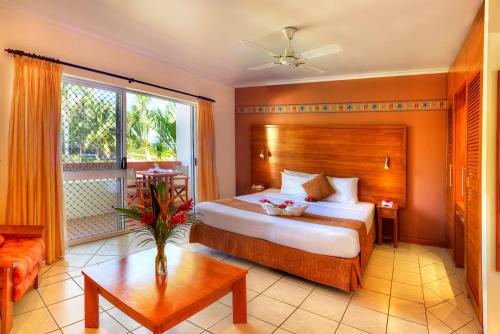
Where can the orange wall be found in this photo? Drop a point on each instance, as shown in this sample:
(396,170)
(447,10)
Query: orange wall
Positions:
(469,59)
(424,219)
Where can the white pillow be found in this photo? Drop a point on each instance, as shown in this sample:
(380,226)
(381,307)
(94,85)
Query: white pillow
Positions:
(291,172)
(346,190)
(292,184)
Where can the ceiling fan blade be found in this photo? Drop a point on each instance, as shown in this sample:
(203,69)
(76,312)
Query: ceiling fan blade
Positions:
(260,48)
(263,66)
(314,68)
(322,51)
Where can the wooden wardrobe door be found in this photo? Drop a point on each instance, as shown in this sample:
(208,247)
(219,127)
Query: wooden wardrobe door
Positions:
(450,193)
(473,194)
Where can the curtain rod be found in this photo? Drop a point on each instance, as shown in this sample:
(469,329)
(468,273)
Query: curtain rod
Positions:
(130,80)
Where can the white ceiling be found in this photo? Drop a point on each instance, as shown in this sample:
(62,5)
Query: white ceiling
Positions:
(379,37)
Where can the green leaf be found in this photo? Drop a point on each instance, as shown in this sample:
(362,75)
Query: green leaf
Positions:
(132,213)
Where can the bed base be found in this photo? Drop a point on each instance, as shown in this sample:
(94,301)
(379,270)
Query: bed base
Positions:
(345,274)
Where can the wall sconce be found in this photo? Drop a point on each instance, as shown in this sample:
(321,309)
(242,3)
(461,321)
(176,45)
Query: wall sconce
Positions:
(386,163)
(264,153)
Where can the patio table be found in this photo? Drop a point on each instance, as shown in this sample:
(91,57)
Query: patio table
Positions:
(166,175)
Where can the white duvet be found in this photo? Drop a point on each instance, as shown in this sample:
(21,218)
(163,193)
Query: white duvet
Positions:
(313,238)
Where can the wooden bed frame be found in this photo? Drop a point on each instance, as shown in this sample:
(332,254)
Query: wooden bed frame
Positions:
(343,151)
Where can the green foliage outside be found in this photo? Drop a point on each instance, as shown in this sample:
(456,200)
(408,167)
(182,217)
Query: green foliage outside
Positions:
(89,131)
(151,131)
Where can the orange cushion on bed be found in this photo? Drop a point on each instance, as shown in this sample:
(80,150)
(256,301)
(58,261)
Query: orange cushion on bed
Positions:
(318,188)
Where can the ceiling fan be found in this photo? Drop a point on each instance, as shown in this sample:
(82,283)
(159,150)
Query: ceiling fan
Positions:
(289,57)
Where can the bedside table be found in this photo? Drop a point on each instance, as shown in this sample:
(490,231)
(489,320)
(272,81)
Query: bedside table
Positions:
(252,190)
(384,212)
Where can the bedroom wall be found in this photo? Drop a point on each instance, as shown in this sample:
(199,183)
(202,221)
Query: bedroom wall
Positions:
(423,221)
(34,34)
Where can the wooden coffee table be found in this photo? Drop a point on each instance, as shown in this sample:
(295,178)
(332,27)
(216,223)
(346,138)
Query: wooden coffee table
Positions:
(193,282)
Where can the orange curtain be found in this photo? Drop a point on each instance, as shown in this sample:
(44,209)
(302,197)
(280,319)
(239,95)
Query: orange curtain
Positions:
(35,174)
(206,175)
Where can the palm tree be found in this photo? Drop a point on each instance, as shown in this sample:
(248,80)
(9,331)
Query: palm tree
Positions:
(165,128)
(89,123)
(139,124)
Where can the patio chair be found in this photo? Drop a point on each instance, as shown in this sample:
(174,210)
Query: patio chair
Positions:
(135,185)
(181,183)
(22,252)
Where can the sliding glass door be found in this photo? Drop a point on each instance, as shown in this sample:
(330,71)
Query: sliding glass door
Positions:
(108,134)
(91,132)
(160,132)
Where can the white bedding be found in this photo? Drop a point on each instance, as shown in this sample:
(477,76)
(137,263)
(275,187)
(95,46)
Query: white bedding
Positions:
(313,238)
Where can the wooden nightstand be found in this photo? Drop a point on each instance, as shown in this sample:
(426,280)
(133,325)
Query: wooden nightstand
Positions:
(384,212)
(252,190)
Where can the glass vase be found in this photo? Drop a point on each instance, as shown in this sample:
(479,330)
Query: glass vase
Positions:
(161,260)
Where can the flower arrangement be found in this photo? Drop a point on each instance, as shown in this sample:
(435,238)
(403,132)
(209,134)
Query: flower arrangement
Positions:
(283,205)
(310,199)
(162,220)
(287,207)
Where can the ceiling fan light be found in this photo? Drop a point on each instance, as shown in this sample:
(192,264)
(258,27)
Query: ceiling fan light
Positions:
(288,57)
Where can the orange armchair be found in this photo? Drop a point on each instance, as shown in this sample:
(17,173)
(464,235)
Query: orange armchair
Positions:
(22,252)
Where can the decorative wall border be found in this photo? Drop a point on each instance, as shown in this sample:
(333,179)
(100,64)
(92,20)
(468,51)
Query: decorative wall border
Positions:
(351,107)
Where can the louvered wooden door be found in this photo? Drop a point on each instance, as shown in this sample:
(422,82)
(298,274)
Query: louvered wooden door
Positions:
(473,194)
(450,193)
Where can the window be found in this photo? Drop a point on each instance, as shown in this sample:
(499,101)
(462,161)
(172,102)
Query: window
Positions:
(100,125)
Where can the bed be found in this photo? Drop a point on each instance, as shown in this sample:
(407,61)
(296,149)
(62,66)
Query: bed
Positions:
(326,254)
(332,255)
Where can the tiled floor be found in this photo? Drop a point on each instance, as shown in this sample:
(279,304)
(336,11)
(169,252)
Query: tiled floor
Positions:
(414,289)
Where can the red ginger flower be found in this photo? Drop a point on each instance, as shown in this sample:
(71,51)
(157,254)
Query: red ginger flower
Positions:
(148,218)
(178,219)
(185,206)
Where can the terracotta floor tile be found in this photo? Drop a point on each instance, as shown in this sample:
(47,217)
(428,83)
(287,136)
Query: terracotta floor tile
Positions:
(399,326)
(407,292)
(126,321)
(408,310)
(325,306)
(444,289)
(377,284)
(344,329)
(270,310)
(436,326)
(68,311)
(407,277)
(290,294)
(470,328)
(106,325)
(59,291)
(30,301)
(259,281)
(34,322)
(228,299)
(372,300)
(210,315)
(450,315)
(365,319)
(297,281)
(253,326)
(304,322)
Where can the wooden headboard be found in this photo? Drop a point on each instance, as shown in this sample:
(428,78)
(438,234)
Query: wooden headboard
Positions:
(342,151)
